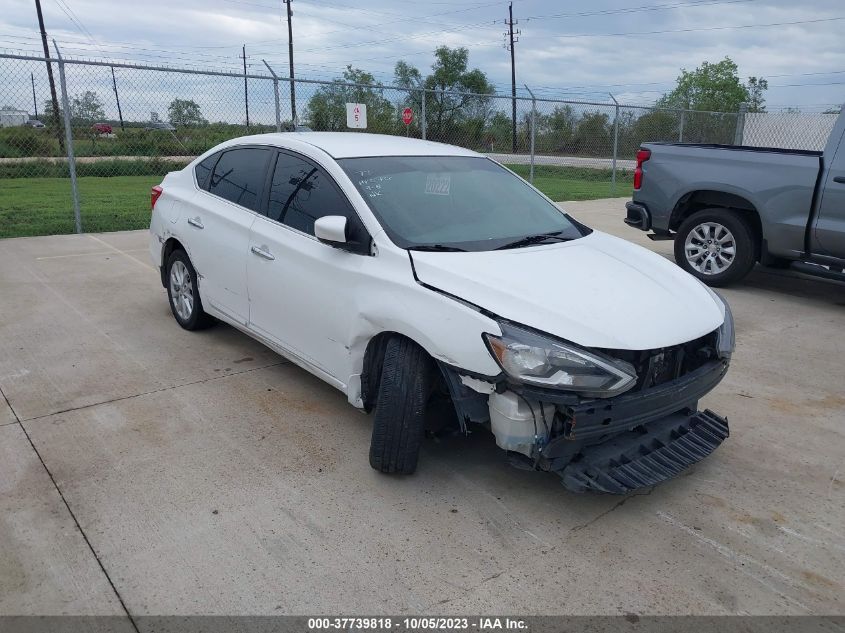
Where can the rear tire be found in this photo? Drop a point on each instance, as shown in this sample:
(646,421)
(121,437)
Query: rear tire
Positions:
(183,293)
(399,418)
(717,246)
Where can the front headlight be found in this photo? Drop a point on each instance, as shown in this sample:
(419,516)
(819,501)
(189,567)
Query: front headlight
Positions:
(727,336)
(537,360)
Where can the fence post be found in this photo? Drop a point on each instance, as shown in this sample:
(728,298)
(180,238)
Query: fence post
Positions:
(71,161)
(276,95)
(615,145)
(423,113)
(740,123)
(681,128)
(533,126)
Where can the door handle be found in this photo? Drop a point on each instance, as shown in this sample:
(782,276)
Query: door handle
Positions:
(196,222)
(839,179)
(262,252)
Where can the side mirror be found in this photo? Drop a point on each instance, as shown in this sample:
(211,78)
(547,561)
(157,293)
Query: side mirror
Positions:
(331,229)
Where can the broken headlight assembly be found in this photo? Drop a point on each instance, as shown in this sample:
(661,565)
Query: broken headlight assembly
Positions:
(726,341)
(542,361)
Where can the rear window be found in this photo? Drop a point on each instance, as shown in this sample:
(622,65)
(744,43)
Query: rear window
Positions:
(203,170)
(239,176)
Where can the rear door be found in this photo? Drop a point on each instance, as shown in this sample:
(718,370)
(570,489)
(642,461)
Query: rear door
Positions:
(830,223)
(218,220)
(302,292)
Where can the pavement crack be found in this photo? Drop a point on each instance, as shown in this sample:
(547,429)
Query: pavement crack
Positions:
(72,515)
(614,507)
(151,391)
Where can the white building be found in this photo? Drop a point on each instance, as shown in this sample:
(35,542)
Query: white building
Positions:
(10,117)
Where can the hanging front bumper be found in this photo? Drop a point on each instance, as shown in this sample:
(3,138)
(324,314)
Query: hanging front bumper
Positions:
(647,455)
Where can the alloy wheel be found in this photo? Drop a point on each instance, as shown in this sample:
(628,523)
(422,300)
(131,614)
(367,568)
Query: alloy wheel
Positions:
(181,290)
(710,248)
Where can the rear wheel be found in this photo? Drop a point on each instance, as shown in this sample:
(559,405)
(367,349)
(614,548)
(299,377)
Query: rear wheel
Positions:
(399,417)
(716,246)
(183,292)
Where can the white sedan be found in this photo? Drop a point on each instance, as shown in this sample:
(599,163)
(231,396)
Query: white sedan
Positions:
(438,289)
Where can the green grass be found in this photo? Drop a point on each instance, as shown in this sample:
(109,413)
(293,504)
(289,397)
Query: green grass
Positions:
(576,183)
(42,206)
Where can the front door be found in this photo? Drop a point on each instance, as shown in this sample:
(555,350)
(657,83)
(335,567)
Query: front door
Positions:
(830,224)
(302,292)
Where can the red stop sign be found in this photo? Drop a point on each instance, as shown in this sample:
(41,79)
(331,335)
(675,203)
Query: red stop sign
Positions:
(407,116)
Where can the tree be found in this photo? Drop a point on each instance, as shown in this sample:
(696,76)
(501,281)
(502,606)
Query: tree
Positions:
(184,112)
(756,87)
(449,114)
(715,88)
(86,108)
(327,108)
(593,135)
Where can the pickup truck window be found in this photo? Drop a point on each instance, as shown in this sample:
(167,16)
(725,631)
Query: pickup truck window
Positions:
(456,203)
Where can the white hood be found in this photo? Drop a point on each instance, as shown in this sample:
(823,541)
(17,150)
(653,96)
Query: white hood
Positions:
(597,291)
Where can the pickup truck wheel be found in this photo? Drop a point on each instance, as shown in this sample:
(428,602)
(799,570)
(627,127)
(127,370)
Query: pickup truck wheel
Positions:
(716,246)
(183,292)
(399,418)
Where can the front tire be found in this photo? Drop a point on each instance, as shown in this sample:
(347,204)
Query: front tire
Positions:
(399,418)
(183,293)
(716,246)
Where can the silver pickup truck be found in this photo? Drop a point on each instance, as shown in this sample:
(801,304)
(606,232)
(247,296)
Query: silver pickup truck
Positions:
(728,207)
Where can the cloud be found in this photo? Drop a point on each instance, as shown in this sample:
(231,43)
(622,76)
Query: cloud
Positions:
(374,34)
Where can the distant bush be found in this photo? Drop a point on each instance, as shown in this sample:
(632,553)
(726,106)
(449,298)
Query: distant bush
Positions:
(101,168)
(17,142)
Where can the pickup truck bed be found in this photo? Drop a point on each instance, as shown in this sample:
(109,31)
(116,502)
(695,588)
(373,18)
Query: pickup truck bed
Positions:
(776,205)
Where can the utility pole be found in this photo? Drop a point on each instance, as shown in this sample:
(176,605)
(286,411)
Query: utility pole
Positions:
(246,93)
(290,61)
(117,99)
(509,45)
(50,76)
(34,100)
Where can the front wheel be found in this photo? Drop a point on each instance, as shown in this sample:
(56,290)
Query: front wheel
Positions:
(399,417)
(716,246)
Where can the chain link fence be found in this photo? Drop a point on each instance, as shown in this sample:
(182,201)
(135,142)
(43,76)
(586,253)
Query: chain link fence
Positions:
(86,161)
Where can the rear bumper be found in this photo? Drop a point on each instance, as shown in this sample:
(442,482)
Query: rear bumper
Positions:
(637,216)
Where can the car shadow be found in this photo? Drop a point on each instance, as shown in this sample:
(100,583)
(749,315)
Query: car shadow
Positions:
(794,284)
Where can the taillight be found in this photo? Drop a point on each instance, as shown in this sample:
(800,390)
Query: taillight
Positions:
(642,156)
(155,194)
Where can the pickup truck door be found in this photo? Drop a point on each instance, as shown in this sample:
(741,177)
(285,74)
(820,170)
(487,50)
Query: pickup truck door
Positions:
(829,234)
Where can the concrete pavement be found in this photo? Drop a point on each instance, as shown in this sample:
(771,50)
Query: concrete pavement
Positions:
(174,472)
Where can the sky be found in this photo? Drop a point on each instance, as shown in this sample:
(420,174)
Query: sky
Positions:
(577,49)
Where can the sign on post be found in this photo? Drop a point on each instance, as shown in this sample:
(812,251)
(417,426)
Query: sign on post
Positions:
(356,116)
(407,116)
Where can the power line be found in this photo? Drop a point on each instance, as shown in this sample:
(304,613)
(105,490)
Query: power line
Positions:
(713,28)
(640,9)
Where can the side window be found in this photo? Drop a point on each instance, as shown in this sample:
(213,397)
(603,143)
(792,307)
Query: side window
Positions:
(203,170)
(301,192)
(239,176)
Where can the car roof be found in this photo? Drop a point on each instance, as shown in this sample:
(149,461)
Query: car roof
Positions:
(356,144)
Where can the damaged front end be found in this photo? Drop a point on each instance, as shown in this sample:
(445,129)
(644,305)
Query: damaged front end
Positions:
(622,419)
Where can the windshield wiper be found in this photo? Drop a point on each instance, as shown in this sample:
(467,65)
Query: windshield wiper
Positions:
(443,248)
(554,236)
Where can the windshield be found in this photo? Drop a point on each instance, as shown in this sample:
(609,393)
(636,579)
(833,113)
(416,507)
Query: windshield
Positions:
(456,203)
